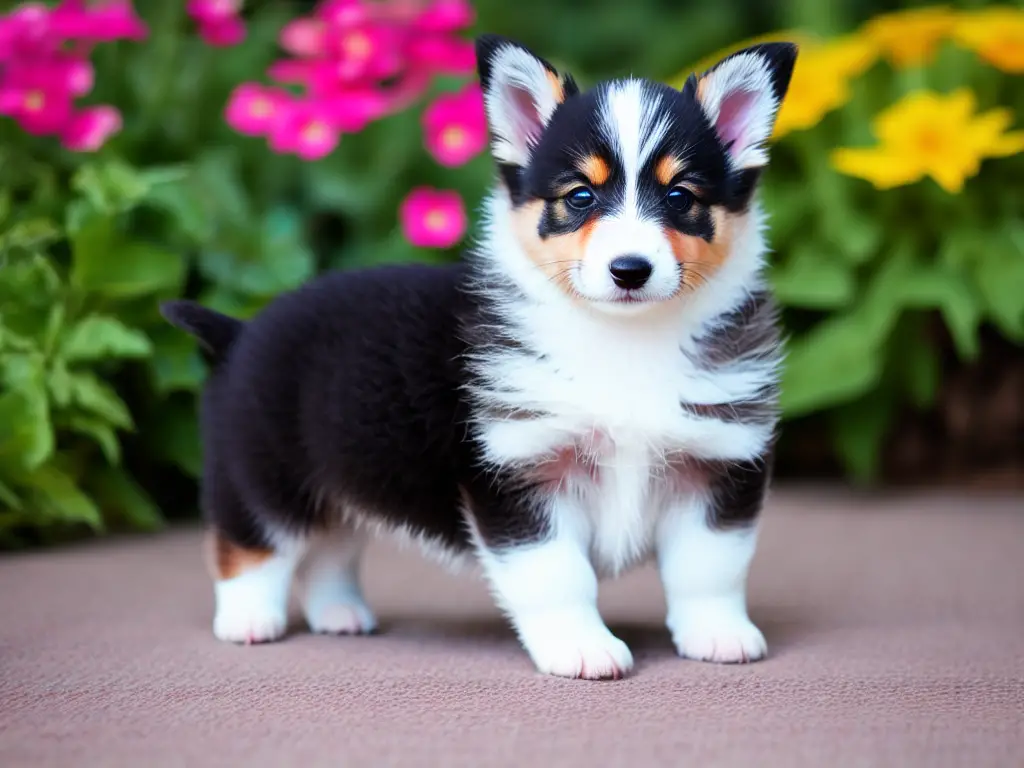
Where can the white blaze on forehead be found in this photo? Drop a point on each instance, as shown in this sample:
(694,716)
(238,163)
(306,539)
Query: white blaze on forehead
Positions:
(632,125)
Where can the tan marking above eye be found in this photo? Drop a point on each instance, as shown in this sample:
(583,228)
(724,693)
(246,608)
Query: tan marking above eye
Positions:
(595,168)
(668,167)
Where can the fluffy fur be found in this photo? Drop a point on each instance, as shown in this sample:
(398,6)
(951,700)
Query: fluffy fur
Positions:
(595,384)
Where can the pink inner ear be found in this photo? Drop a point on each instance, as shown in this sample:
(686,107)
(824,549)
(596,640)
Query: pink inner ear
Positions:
(734,117)
(525,115)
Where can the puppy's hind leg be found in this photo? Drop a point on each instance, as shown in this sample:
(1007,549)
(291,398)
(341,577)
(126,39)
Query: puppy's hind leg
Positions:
(251,587)
(328,582)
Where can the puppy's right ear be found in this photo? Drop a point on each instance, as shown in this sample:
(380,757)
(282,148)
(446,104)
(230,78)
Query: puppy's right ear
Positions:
(521,92)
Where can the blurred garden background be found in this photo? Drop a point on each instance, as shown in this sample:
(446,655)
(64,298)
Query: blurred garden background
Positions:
(228,151)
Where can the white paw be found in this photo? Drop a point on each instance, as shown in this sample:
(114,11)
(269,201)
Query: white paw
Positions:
(342,619)
(249,626)
(725,638)
(586,651)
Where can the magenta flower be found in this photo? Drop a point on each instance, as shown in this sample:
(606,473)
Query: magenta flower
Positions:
(38,111)
(219,21)
(433,218)
(253,109)
(44,67)
(445,16)
(442,54)
(305,129)
(98,22)
(352,110)
(304,37)
(368,52)
(343,14)
(223,32)
(88,130)
(455,126)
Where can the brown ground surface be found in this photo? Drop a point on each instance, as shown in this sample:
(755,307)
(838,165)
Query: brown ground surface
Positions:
(895,626)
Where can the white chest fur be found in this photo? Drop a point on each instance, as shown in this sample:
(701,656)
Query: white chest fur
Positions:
(608,392)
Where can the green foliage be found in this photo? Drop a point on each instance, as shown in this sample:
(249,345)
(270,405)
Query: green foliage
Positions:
(98,424)
(860,270)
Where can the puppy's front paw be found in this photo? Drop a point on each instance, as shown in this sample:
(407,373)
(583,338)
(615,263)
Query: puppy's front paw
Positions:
(578,650)
(342,619)
(727,638)
(249,624)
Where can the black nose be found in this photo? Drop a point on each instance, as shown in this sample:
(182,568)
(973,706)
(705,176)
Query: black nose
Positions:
(630,271)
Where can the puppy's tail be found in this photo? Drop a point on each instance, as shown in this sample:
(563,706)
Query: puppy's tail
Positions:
(215,332)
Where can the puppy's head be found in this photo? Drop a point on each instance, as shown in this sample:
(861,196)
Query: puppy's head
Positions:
(628,194)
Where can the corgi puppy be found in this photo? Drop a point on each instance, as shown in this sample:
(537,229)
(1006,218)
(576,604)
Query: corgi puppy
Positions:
(593,386)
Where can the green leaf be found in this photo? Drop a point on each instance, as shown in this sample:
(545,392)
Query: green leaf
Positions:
(220,185)
(858,429)
(100,431)
(58,383)
(57,496)
(98,337)
(176,363)
(100,399)
(999,275)
(10,498)
(813,279)
(941,287)
(120,497)
(922,371)
(110,186)
(30,234)
(181,201)
(121,270)
(26,434)
(837,361)
(173,436)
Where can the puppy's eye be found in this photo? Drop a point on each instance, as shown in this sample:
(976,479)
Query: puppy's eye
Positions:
(679,199)
(580,198)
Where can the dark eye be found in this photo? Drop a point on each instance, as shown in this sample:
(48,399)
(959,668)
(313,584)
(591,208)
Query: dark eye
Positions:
(679,199)
(580,198)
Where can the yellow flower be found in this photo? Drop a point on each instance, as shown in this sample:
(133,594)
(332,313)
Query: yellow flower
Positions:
(910,38)
(996,35)
(928,133)
(820,81)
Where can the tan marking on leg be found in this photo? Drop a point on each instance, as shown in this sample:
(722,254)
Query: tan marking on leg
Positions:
(699,258)
(595,169)
(226,560)
(668,167)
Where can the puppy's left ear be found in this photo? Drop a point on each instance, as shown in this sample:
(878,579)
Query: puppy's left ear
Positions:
(741,96)
(521,92)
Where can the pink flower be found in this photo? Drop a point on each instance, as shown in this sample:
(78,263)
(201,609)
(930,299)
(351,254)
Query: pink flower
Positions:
(352,110)
(218,20)
(304,37)
(222,32)
(445,16)
(253,109)
(455,126)
(213,10)
(342,14)
(39,108)
(25,32)
(97,22)
(433,218)
(88,130)
(364,52)
(306,129)
(441,54)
